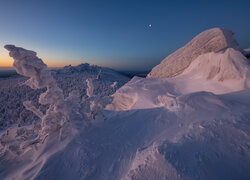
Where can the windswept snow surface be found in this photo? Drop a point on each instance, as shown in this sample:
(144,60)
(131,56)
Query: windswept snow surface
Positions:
(206,136)
(193,126)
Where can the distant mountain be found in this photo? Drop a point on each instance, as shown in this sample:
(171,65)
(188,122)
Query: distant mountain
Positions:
(7,73)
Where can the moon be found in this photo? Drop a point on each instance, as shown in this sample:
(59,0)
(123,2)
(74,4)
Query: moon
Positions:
(150,25)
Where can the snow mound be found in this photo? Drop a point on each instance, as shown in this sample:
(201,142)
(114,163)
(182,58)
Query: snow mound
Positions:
(228,68)
(212,40)
(142,93)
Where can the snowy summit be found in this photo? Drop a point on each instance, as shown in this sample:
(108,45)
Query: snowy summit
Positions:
(212,40)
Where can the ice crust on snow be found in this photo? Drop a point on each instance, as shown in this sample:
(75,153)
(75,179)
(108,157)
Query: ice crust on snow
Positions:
(212,40)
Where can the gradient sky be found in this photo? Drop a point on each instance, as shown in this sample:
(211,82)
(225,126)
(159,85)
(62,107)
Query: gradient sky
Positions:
(114,33)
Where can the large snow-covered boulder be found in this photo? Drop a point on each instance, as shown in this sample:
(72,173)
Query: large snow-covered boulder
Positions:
(212,40)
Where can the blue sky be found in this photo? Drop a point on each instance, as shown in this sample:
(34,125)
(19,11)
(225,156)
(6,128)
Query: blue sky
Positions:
(114,33)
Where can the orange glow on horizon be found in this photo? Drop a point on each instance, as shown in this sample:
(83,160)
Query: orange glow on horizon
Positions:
(7,61)
(52,60)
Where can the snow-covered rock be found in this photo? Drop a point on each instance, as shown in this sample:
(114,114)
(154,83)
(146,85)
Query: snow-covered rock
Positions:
(212,40)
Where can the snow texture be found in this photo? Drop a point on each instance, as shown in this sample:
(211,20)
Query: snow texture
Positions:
(212,40)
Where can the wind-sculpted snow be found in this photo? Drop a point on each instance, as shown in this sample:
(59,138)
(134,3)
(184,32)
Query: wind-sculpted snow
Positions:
(207,138)
(212,40)
(28,64)
(60,109)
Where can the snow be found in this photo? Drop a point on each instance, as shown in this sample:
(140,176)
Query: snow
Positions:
(13,92)
(60,109)
(221,72)
(206,139)
(191,126)
(28,64)
(212,40)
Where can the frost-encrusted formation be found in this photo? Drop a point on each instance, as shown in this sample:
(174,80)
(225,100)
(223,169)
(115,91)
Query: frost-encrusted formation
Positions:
(212,40)
(28,64)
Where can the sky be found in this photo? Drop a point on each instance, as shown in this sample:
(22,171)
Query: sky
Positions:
(121,34)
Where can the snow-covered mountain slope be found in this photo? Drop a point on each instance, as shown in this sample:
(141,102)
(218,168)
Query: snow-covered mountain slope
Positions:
(212,40)
(192,126)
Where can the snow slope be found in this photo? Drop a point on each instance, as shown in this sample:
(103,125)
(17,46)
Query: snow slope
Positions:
(192,126)
(207,137)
